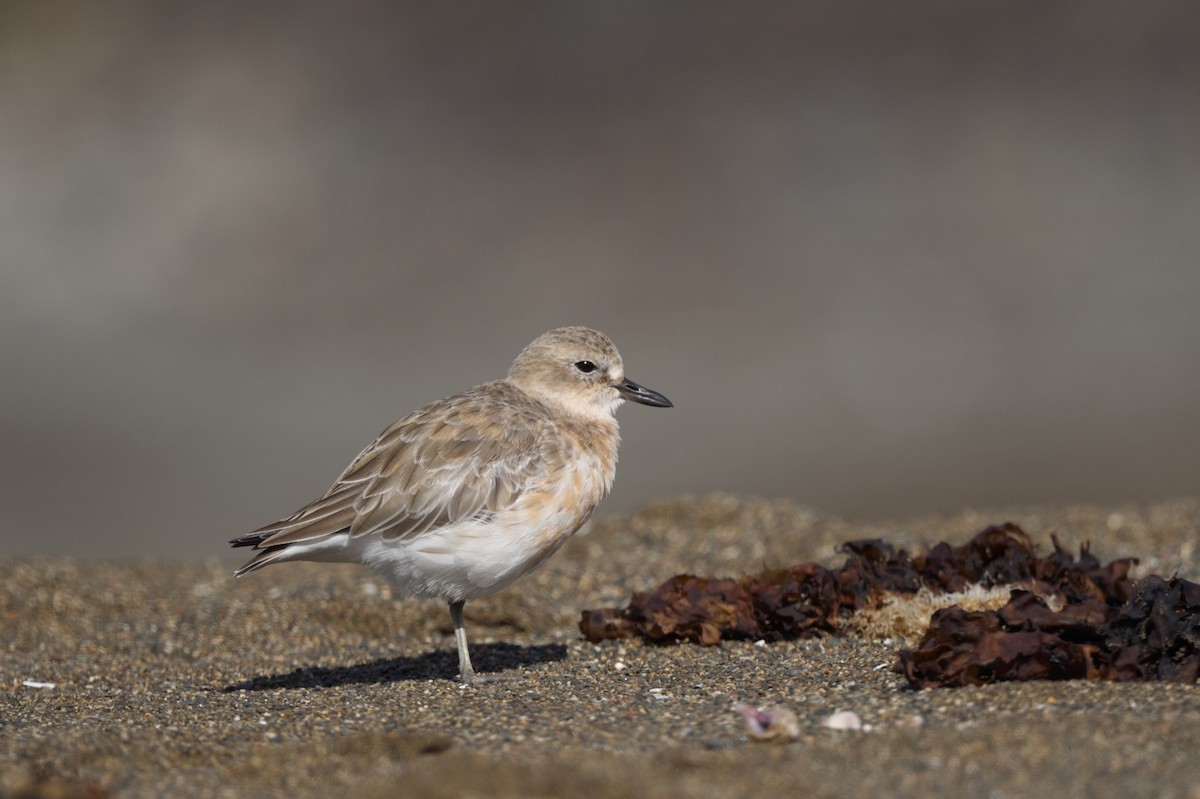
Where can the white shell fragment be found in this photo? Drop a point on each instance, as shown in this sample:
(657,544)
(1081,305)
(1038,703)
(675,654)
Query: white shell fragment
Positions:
(844,720)
(36,684)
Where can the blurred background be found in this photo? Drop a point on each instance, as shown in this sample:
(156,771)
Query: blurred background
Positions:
(886,258)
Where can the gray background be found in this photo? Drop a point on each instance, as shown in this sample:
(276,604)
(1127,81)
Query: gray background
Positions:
(885,258)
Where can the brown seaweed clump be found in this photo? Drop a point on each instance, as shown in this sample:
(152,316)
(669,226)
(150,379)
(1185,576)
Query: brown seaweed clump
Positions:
(1153,636)
(1103,625)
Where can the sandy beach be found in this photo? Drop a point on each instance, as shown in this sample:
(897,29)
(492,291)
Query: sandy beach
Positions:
(173,679)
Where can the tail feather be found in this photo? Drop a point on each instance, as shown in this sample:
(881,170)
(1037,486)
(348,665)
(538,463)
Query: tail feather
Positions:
(269,549)
(263,558)
(250,539)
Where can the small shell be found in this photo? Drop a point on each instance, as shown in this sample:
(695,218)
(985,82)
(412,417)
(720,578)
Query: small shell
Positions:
(846,720)
(777,724)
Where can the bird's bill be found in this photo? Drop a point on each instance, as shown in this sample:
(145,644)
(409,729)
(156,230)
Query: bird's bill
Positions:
(635,393)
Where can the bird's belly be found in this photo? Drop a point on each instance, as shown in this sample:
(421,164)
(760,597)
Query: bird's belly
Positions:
(468,560)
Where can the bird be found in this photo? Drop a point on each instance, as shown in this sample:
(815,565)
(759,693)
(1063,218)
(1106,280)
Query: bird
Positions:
(467,494)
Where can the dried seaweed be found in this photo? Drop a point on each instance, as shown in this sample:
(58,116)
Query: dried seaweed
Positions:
(809,598)
(1155,635)
(1108,627)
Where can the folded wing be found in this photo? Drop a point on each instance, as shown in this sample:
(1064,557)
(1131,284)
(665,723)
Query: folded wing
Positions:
(446,463)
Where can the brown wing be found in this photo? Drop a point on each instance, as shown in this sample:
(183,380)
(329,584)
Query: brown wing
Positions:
(464,457)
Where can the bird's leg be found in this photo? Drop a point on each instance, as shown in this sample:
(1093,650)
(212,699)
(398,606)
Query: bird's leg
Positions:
(465,671)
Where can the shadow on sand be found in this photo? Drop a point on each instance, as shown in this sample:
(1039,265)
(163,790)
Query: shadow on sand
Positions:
(442,664)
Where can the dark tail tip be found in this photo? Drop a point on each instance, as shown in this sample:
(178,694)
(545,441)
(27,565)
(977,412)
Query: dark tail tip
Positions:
(250,540)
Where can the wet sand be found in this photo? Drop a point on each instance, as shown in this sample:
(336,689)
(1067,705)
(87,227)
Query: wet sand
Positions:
(309,679)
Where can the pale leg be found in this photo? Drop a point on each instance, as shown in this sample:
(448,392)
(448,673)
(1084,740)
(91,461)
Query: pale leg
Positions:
(465,672)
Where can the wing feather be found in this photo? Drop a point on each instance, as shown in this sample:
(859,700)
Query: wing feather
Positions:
(465,457)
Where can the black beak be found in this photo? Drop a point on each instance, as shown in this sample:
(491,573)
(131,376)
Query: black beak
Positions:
(635,393)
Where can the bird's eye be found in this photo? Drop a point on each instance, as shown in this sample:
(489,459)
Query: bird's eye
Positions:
(585,366)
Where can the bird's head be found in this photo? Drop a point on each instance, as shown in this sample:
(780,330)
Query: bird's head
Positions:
(580,370)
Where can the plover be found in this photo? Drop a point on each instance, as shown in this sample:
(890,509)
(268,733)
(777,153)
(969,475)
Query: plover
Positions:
(465,495)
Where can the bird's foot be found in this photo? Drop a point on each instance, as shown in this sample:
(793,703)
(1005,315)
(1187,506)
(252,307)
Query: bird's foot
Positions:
(471,678)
